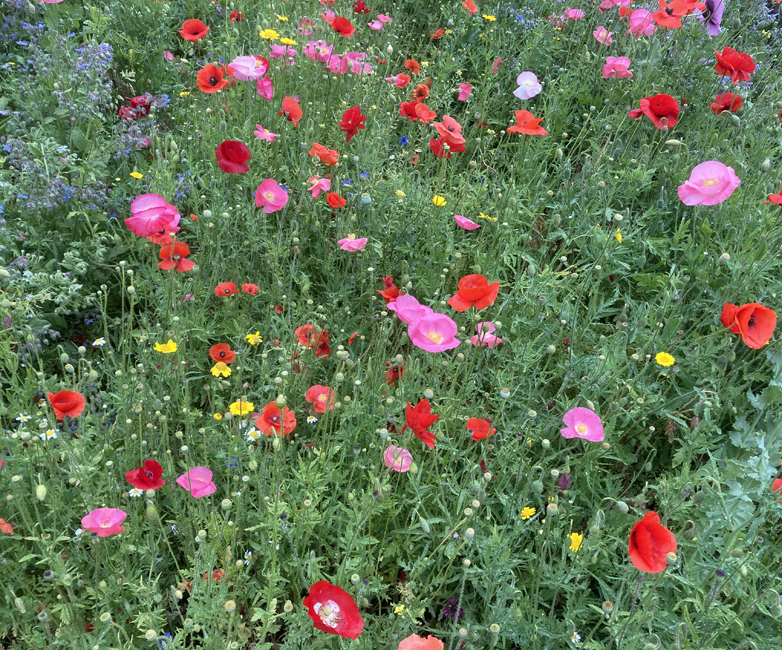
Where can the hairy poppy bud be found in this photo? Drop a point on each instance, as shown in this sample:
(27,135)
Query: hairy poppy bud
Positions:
(424,525)
(40,492)
(765,165)
(622,507)
(151,514)
(559,154)
(537,487)
(735,120)
(389,49)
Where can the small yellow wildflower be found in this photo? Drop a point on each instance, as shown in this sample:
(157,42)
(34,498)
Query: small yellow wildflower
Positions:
(491,19)
(221,369)
(287,41)
(254,339)
(283,19)
(241,408)
(399,608)
(424,64)
(269,34)
(136,175)
(618,235)
(184,93)
(439,201)
(400,193)
(486,216)
(664,359)
(575,541)
(527,512)
(449,31)
(218,416)
(166,348)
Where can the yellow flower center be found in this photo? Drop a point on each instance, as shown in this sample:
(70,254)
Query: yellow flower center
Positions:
(435,337)
(581,428)
(709,182)
(322,397)
(269,196)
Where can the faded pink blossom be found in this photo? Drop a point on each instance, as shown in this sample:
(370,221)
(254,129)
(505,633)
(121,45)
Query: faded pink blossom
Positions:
(485,336)
(271,196)
(529,86)
(306,26)
(605,5)
(495,67)
(104,521)
(603,35)
(198,481)
(617,67)
(265,88)
(249,68)
(318,185)
(397,459)
(408,309)
(582,423)
(264,134)
(338,65)
(464,222)
(641,22)
(355,59)
(329,16)
(375,25)
(350,243)
(464,92)
(434,333)
(318,51)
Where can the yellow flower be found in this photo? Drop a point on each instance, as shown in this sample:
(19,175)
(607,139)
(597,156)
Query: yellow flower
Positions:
(449,31)
(221,368)
(400,193)
(136,175)
(287,41)
(218,416)
(254,339)
(575,541)
(284,19)
(486,216)
(439,201)
(399,609)
(184,93)
(527,512)
(664,359)
(618,235)
(424,64)
(241,408)
(269,34)
(491,19)
(166,348)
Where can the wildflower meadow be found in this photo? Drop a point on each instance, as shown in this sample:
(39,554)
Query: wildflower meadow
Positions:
(394,325)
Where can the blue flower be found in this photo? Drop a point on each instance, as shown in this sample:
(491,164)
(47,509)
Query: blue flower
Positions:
(403,140)
(347,181)
(163,641)
(364,175)
(232,462)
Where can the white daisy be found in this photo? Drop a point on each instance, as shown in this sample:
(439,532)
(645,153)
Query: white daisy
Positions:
(49,434)
(24,418)
(248,556)
(576,638)
(253,435)
(135,492)
(311,419)
(99,343)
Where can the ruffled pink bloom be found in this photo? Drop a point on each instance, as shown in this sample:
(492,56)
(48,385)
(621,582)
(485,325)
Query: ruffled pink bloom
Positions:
(318,51)
(264,134)
(198,481)
(574,14)
(605,5)
(355,59)
(352,245)
(284,52)
(495,67)
(306,26)
(249,68)
(104,521)
(529,86)
(168,56)
(408,309)
(163,236)
(384,19)
(464,222)
(398,459)
(485,336)
(603,35)
(329,16)
(464,92)
(318,185)
(710,183)
(149,215)
(265,88)
(617,67)
(582,423)
(434,333)
(271,196)
(375,25)
(641,22)
(338,65)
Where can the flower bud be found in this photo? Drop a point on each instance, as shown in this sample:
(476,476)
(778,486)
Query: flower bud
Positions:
(559,154)
(288,607)
(671,559)
(151,514)
(765,165)
(424,525)
(389,49)
(622,507)
(40,492)
(537,487)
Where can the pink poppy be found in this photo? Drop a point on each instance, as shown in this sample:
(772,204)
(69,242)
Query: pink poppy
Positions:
(485,336)
(265,88)
(415,642)
(603,35)
(464,92)
(318,51)
(464,222)
(163,236)
(641,22)
(398,459)
(434,333)
(284,52)
(384,19)
(320,397)
(329,16)
(617,67)
(355,59)
(582,423)
(249,68)
(168,56)
(150,213)
(529,86)
(318,185)
(607,4)
(198,481)
(408,309)
(574,14)
(338,65)
(350,243)
(271,196)
(710,183)
(104,521)
(264,134)
(495,67)
(375,25)
(306,26)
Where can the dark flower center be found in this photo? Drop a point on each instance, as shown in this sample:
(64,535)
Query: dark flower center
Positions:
(222,354)
(213,81)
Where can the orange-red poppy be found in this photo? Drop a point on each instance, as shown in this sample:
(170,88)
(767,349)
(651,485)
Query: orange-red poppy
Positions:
(650,543)
(291,110)
(193,30)
(474,290)
(527,124)
(211,79)
(436,35)
(252,289)
(419,418)
(754,322)
(343,27)
(391,292)
(335,200)
(470,6)
(174,257)
(273,420)
(66,402)
(328,156)
(424,114)
(413,66)
(736,65)
(225,289)
(421,92)
(479,428)
(222,352)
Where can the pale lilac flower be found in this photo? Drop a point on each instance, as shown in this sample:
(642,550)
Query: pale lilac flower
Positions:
(711,17)
(582,423)
(529,86)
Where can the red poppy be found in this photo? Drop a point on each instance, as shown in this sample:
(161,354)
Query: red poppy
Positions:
(650,542)
(737,65)
(775,198)
(527,124)
(232,157)
(66,402)
(379,60)
(419,419)
(407,109)
(225,289)
(662,109)
(322,350)
(273,420)
(479,428)
(316,340)
(174,257)
(252,289)
(726,102)
(6,528)
(147,476)
(753,321)
(424,113)
(193,30)
(390,293)
(436,35)
(343,27)
(352,338)
(278,309)
(474,290)
(360,7)
(470,6)
(413,66)
(320,397)
(450,129)
(333,610)
(442,148)
(236,16)
(421,92)
(210,79)
(222,352)
(328,156)
(394,373)
(777,486)
(352,121)
(335,200)
(305,334)
(291,110)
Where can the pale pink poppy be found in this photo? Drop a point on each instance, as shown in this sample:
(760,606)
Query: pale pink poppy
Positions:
(271,196)
(306,26)
(265,88)
(603,35)
(398,459)
(710,183)
(641,22)
(318,51)
(415,642)
(104,521)
(485,336)
(168,56)
(284,52)
(464,222)
(605,5)
(529,86)
(434,333)
(338,65)
(264,134)
(574,14)
(318,185)
(198,481)
(375,25)
(162,237)
(384,19)
(355,60)
(617,67)
(329,16)
(464,92)
(350,243)
(149,214)
(249,68)
(495,67)
(408,309)
(582,423)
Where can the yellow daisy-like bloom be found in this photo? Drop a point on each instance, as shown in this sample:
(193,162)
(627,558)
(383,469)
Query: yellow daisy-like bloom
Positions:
(439,201)
(283,19)
(184,93)
(400,193)
(618,235)
(254,339)
(664,359)
(491,19)
(221,369)
(575,541)
(486,216)
(287,41)
(218,416)
(166,348)
(269,34)
(241,408)
(527,512)
(399,609)
(136,175)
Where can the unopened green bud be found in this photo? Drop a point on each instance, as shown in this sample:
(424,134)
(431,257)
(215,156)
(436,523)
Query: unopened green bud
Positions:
(40,492)
(622,507)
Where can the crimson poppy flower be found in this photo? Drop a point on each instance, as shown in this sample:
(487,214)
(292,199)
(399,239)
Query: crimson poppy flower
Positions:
(273,420)
(360,7)
(343,27)
(291,110)
(726,102)
(322,349)
(252,289)
(777,486)
(753,321)
(662,109)
(236,16)
(278,309)
(421,92)
(66,402)
(450,129)
(193,30)
(407,109)
(147,476)
(390,293)
(210,79)
(328,156)
(527,124)
(419,418)
(650,542)
(225,289)
(474,290)
(413,66)
(333,610)
(174,257)
(775,198)
(394,373)
(737,65)
(436,35)
(232,157)
(335,200)
(479,428)
(222,352)
(352,121)
(316,340)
